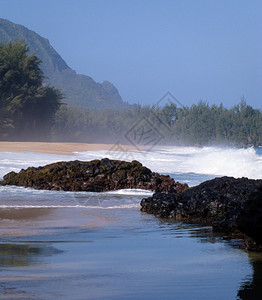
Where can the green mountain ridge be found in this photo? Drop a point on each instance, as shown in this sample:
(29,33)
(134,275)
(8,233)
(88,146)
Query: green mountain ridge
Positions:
(78,90)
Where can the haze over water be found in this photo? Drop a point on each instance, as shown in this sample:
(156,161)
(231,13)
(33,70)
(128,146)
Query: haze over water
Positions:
(67,245)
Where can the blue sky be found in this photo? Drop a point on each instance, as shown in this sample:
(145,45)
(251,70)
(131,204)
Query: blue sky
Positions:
(208,50)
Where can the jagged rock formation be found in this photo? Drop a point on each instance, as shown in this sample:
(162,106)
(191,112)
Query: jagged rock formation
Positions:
(96,176)
(227,204)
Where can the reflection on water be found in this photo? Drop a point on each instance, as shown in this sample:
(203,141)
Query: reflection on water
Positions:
(203,234)
(130,255)
(251,286)
(252,289)
(115,252)
(17,255)
(21,256)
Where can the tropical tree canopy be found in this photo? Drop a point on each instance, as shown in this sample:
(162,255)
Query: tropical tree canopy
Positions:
(27,106)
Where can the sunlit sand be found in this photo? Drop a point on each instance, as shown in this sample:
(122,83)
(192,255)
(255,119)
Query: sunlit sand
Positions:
(60,148)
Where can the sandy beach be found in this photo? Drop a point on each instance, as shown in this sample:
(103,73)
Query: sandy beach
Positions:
(60,148)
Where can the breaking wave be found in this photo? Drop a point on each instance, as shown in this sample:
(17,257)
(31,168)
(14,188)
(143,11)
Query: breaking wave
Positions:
(207,160)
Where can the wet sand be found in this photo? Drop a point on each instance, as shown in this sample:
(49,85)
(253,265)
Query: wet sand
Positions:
(23,213)
(60,148)
(35,221)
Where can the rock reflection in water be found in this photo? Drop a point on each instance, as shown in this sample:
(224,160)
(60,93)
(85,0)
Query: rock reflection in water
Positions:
(13,255)
(20,255)
(252,289)
(203,234)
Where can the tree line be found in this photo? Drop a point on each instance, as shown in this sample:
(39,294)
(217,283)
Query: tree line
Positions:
(30,110)
(200,124)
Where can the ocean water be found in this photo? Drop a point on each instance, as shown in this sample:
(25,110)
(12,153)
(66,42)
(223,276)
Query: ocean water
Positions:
(66,245)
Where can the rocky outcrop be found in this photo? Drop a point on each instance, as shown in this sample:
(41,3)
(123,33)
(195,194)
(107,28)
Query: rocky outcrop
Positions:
(96,176)
(250,220)
(227,204)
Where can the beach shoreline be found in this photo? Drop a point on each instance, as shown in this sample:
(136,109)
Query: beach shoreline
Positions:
(60,148)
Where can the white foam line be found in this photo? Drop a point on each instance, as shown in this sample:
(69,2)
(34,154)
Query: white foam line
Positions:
(70,206)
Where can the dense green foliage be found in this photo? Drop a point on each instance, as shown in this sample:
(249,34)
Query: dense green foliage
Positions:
(27,107)
(30,110)
(79,90)
(199,124)
(51,60)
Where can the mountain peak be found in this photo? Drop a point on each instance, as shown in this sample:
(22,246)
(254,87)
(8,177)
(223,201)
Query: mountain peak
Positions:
(51,60)
(79,90)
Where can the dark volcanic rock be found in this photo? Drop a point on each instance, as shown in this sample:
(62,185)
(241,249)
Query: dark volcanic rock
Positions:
(250,220)
(97,175)
(227,204)
(160,205)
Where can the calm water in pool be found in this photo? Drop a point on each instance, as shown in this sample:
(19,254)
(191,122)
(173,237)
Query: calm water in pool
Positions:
(100,246)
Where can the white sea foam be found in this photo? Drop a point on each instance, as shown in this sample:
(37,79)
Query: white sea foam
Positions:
(16,161)
(230,162)
(207,160)
(22,190)
(187,164)
(18,197)
(123,206)
(136,192)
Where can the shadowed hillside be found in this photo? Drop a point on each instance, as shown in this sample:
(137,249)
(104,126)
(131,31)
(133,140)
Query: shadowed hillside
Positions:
(78,90)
